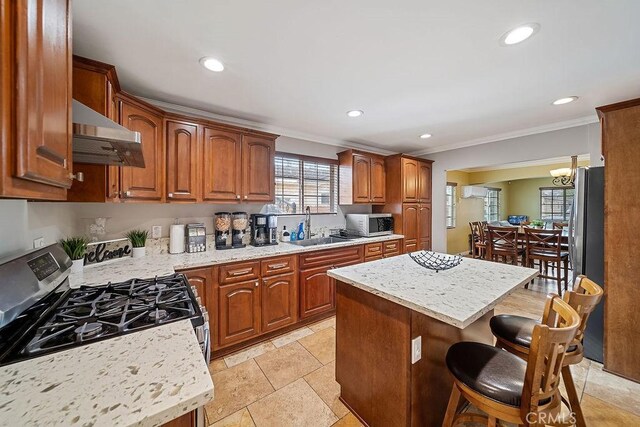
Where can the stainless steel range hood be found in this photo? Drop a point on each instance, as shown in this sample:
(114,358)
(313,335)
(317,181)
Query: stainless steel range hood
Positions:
(96,139)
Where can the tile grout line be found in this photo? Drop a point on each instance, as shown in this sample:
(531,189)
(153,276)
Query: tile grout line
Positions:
(323,402)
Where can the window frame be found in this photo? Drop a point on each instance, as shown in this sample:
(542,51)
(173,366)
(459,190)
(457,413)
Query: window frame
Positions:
(333,182)
(565,215)
(487,204)
(453,209)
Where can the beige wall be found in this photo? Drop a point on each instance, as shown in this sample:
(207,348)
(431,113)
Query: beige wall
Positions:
(524,196)
(467,210)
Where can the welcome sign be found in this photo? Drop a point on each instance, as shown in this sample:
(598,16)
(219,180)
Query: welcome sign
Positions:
(109,250)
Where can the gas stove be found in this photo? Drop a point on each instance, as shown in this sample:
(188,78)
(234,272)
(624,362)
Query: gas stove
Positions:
(55,317)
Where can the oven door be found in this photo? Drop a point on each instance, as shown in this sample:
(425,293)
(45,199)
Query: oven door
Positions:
(380,225)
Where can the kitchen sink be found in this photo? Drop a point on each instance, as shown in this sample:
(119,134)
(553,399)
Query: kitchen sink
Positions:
(320,241)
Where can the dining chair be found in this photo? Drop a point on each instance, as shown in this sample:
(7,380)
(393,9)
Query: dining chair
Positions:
(514,334)
(503,245)
(545,246)
(478,243)
(506,387)
(560,225)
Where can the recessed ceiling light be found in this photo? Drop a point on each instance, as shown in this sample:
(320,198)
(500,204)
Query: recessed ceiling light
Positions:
(355,113)
(425,136)
(519,34)
(212,64)
(566,100)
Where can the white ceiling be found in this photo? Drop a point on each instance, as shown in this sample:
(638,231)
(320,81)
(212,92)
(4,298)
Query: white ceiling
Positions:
(413,66)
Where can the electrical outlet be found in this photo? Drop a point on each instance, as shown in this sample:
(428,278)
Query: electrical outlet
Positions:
(38,243)
(416,349)
(156,231)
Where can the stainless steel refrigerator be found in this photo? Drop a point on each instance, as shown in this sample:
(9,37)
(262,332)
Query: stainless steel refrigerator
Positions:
(586,247)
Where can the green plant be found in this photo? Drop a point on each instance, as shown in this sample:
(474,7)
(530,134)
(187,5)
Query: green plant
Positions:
(75,247)
(537,223)
(138,238)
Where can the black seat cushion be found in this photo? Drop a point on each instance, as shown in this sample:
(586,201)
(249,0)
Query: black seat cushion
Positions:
(515,329)
(492,372)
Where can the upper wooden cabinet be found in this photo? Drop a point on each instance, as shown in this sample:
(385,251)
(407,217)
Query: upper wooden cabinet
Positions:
(409,178)
(35,118)
(187,159)
(183,160)
(258,169)
(424,182)
(146,183)
(362,178)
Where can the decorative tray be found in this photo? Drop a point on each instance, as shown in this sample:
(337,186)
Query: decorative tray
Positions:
(435,261)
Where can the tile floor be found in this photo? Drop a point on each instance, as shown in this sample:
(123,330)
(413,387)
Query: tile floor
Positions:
(289,381)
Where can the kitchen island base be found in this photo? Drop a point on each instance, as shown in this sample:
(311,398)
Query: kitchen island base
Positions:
(378,382)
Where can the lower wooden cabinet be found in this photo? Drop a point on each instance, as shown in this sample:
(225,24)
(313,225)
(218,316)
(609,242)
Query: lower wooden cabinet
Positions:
(416,226)
(239,308)
(317,292)
(203,280)
(279,301)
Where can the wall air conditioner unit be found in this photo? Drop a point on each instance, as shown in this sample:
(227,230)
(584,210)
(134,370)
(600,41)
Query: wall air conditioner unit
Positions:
(473,192)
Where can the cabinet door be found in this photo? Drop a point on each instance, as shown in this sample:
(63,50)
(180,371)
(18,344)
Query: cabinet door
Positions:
(222,165)
(182,161)
(424,182)
(146,183)
(361,179)
(410,228)
(203,280)
(238,312)
(378,180)
(43,91)
(410,180)
(317,292)
(279,301)
(258,169)
(424,227)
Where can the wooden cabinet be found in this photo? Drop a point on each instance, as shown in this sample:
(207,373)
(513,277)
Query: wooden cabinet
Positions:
(391,248)
(147,183)
(239,272)
(222,165)
(372,250)
(279,301)
(620,136)
(409,180)
(410,214)
(317,292)
(35,117)
(203,279)
(258,169)
(183,161)
(424,182)
(239,307)
(424,227)
(362,178)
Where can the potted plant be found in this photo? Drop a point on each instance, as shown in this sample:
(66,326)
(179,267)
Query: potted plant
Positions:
(138,239)
(75,247)
(537,223)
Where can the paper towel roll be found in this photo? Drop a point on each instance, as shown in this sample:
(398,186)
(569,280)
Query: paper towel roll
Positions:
(176,239)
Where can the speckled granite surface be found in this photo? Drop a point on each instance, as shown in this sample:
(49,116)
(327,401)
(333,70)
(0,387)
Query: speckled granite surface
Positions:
(145,378)
(164,264)
(458,296)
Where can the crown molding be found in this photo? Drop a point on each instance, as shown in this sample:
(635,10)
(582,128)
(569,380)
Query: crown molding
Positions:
(542,162)
(179,109)
(511,135)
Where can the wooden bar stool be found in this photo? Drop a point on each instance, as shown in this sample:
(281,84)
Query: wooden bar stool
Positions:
(545,246)
(505,386)
(514,334)
(503,244)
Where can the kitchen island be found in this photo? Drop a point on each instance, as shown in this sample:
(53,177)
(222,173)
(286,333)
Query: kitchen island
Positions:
(384,306)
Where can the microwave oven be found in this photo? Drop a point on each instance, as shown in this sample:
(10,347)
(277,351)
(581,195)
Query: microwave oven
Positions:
(370,225)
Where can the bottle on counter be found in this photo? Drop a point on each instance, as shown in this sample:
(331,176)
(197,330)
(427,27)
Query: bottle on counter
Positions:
(294,235)
(285,236)
(301,231)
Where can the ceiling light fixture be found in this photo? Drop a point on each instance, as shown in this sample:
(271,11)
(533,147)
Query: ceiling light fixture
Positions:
(425,136)
(212,64)
(519,34)
(355,113)
(565,176)
(566,100)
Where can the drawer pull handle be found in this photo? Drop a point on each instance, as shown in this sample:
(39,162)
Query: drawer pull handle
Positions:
(240,272)
(277,266)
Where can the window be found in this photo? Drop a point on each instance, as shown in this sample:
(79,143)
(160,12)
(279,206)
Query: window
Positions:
(492,205)
(451,204)
(555,203)
(305,181)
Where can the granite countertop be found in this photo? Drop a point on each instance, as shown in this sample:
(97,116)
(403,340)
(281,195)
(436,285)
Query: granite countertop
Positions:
(144,378)
(458,296)
(166,264)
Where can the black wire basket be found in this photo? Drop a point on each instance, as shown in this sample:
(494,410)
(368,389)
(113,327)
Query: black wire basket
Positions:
(435,261)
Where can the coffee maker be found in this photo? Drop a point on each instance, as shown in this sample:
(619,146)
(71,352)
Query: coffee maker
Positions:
(264,230)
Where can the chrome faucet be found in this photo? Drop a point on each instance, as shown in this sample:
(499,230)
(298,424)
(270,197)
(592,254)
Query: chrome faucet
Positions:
(307,222)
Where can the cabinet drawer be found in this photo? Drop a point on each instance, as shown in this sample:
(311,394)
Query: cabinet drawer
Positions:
(374,258)
(372,249)
(328,258)
(390,254)
(280,265)
(233,273)
(392,246)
